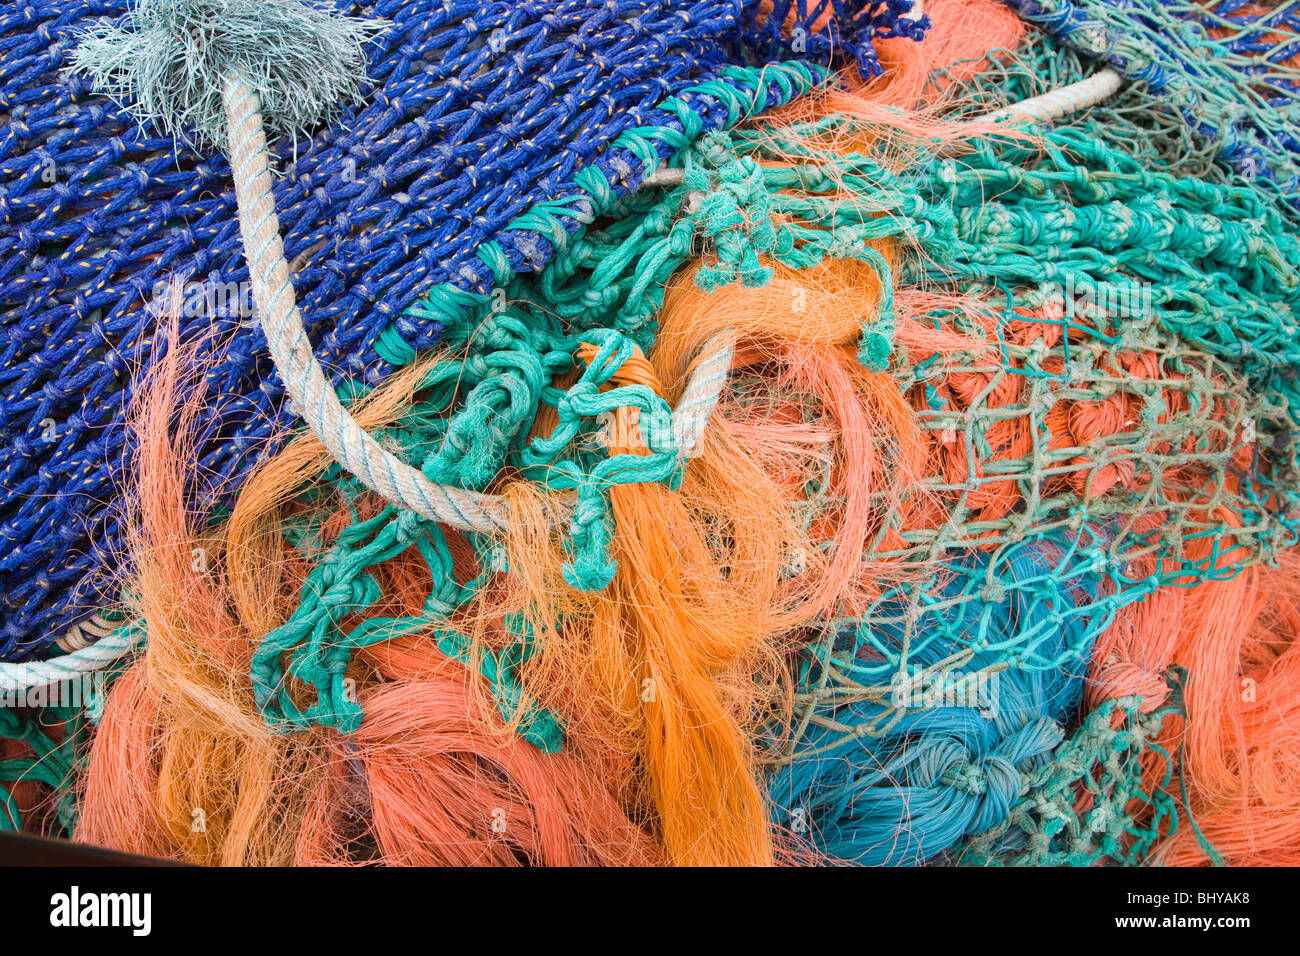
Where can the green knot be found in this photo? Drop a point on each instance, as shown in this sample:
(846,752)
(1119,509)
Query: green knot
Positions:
(170,68)
(543,730)
(563,460)
(312,649)
(590,566)
(732,210)
(876,348)
(968,778)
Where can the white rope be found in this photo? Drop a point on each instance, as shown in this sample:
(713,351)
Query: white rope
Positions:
(286,338)
(703,389)
(305,381)
(86,632)
(664,176)
(1054,104)
(18,676)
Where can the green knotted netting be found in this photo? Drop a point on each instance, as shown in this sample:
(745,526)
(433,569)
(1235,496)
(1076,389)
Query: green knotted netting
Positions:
(1225,72)
(1144,124)
(1090,804)
(1191,281)
(505,351)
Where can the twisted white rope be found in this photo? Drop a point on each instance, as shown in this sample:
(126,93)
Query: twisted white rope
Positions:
(1054,104)
(85,632)
(305,381)
(16,676)
(703,389)
(286,338)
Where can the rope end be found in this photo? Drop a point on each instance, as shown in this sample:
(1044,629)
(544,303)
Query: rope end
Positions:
(167,62)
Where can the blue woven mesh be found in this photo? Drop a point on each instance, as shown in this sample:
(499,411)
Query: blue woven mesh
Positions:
(478,111)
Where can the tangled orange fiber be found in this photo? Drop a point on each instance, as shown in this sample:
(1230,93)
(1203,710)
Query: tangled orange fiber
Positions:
(674,663)
(430,781)
(184,766)
(1239,746)
(663,679)
(799,332)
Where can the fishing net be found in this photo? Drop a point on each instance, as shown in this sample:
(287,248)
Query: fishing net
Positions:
(1112,393)
(1091,329)
(1226,70)
(488,134)
(1137,120)
(1126,414)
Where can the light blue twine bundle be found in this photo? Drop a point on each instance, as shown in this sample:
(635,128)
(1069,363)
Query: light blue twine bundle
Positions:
(945,753)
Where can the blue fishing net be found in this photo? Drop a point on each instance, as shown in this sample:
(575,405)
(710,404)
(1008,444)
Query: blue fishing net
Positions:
(489,134)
